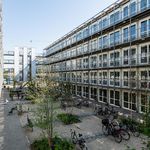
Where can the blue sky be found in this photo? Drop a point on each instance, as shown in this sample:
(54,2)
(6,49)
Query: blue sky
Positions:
(44,21)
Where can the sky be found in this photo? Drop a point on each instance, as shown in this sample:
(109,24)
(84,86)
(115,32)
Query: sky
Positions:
(38,23)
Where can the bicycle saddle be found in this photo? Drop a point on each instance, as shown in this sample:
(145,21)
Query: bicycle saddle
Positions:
(80,134)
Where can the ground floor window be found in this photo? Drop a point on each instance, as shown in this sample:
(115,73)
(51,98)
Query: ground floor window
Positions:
(79,90)
(86,92)
(103,95)
(115,97)
(73,90)
(129,100)
(144,102)
(93,93)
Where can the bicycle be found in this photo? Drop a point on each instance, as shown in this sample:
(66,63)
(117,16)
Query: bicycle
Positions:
(109,128)
(131,128)
(78,140)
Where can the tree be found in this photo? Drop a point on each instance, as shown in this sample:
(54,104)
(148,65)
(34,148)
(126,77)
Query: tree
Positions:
(66,89)
(44,92)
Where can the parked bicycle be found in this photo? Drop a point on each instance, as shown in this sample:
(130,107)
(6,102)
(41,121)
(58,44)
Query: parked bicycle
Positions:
(109,128)
(78,139)
(131,128)
(106,110)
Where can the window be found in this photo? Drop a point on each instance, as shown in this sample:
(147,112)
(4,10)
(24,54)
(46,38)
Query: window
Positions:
(112,39)
(85,63)
(125,35)
(85,77)
(117,37)
(133,79)
(112,19)
(94,62)
(100,78)
(94,28)
(79,63)
(86,92)
(100,61)
(104,60)
(144,53)
(79,90)
(125,78)
(73,89)
(111,78)
(85,32)
(8,70)
(125,12)
(105,78)
(117,78)
(103,95)
(73,77)
(85,48)
(93,77)
(144,28)
(129,100)
(100,43)
(115,97)
(100,25)
(132,8)
(144,103)
(133,56)
(93,93)
(79,77)
(117,16)
(104,22)
(143,4)
(94,45)
(105,43)
(133,32)
(144,79)
(114,59)
(8,61)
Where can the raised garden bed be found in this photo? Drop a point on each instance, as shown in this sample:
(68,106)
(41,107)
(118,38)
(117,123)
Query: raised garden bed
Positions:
(68,118)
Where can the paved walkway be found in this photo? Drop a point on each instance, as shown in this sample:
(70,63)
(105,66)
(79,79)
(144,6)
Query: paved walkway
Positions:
(11,134)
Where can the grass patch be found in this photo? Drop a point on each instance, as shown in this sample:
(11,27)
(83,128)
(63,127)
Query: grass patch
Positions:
(68,118)
(59,144)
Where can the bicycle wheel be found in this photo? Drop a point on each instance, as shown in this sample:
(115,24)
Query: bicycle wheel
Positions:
(118,137)
(73,138)
(125,134)
(105,130)
(84,147)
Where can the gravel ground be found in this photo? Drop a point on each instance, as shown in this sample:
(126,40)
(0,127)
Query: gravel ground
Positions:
(90,126)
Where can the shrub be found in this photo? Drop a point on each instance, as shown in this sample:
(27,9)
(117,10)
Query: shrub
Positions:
(59,144)
(68,118)
(143,128)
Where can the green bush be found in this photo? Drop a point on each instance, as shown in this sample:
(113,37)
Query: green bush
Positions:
(68,118)
(59,144)
(143,127)
(40,145)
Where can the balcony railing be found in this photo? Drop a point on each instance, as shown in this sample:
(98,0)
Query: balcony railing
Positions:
(122,40)
(121,18)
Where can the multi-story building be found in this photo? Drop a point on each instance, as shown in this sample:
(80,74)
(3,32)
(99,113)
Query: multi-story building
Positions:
(1,49)
(19,65)
(40,67)
(107,58)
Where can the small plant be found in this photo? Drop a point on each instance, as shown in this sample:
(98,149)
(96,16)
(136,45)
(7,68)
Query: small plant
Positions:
(59,144)
(68,118)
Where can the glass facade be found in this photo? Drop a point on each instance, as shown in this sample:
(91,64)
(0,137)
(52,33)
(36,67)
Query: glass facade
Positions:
(110,57)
